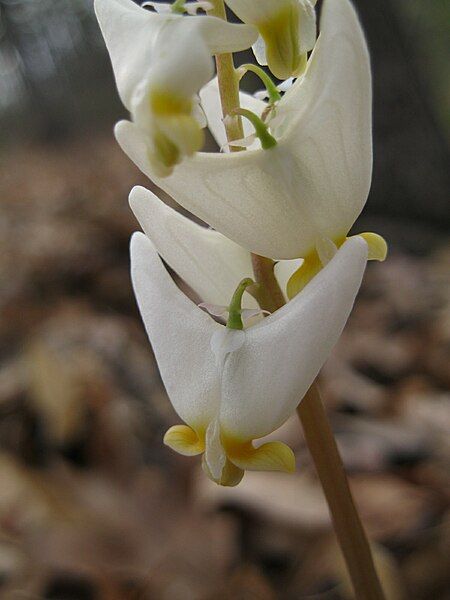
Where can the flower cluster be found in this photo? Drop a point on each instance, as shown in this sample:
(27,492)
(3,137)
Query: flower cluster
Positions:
(292,196)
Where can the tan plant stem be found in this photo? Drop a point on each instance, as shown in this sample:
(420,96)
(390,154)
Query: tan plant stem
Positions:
(268,292)
(347,524)
(318,434)
(228,85)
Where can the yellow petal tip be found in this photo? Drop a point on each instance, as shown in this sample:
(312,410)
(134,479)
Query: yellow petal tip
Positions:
(273,456)
(184,440)
(378,247)
(309,268)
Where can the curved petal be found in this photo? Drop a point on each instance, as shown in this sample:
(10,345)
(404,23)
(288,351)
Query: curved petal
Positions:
(283,270)
(167,70)
(129,32)
(221,36)
(210,100)
(209,263)
(180,334)
(131,35)
(265,380)
(272,456)
(307,26)
(184,440)
(314,183)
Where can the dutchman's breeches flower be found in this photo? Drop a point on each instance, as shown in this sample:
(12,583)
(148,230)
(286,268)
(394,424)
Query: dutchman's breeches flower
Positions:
(287,31)
(300,198)
(231,387)
(160,62)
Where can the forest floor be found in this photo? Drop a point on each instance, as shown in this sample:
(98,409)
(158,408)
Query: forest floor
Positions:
(92,505)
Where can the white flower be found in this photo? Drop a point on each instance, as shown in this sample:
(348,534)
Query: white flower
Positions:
(160,62)
(264,373)
(313,184)
(287,31)
(132,37)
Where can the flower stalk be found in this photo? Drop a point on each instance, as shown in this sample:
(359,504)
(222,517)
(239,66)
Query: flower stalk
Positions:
(228,85)
(268,293)
(235,309)
(346,521)
(318,434)
(261,130)
(272,91)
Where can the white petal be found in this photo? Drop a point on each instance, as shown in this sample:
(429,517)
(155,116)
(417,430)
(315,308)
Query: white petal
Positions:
(216,310)
(224,342)
(249,313)
(222,36)
(209,263)
(180,50)
(259,50)
(180,334)
(286,85)
(265,380)
(261,95)
(132,38)
(254,11)
(307,26)
(283,271)
(215,456)
(315,182)
(326,249)
(210,100)
(159,7)
(129,33)
(198,112)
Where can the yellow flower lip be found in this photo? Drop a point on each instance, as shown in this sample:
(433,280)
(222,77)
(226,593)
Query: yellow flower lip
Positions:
(312,263)
(184,440)
(271,456)
(240,455)
(378,247)
(167,103)
(173,129)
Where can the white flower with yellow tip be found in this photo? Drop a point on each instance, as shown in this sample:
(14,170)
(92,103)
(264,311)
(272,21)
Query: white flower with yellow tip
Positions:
(263,371)
(160,62)
(304,193)
(287,31)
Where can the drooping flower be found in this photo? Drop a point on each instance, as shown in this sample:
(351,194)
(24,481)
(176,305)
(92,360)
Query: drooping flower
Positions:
(263,373)
(287,201)
(287,31)
(160,62)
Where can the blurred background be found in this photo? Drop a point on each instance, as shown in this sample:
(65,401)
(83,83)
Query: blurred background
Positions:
(92,505)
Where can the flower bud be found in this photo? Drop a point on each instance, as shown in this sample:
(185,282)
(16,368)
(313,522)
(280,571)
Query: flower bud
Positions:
(164,106)
(287,30)
(160,62)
